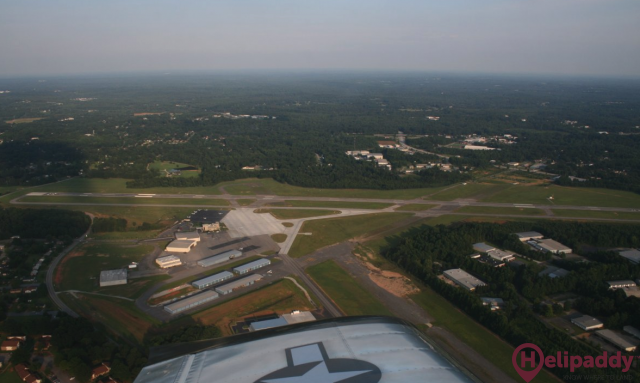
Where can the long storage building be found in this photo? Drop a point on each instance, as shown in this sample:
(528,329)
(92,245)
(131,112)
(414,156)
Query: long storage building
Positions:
(113,277)
(255,265)
(168,261)
(191,302)
(181,246)
(219,258)
(464,279)
(212,280)
(188,235)
(242,282)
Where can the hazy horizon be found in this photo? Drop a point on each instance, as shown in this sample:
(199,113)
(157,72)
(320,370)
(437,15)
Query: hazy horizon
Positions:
(594,38)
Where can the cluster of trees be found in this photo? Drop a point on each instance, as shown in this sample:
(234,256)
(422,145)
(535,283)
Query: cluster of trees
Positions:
(426,251)
(42,223)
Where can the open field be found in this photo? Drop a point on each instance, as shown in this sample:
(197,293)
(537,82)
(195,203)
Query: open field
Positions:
(333,204)
(279,238)
(80,269)
(25,120)
(595,214)
(352,298)
(280,297)
(326,232)
(500,210)
(469,190)
(253,186)
(415,207)
(129,200)
(124,235)
(297,213)
(206,272)
(565,196)
(136,215)
(165,166)
(466,329)
(118,316)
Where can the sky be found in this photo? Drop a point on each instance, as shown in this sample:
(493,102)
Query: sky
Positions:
(558,37)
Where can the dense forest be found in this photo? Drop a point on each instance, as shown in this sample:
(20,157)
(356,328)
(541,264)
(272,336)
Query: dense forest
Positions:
(296,128)
(42,223)
(426,251)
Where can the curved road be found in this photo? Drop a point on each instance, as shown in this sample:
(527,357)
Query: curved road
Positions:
(52,268)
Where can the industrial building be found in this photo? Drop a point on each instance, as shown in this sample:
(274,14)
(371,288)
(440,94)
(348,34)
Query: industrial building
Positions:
(255,265)
(212,280)
(620,284)
(192,301)
(622,342)
(632,255)
(113,277)
(296,316)
(181,246)
(493,303)
(371,349)
(632,330)
(464,279)
(482,247)
(501,255)
(208,227)
(553,272)
(549,246)
(529,235)
(242,282)
(219,258)
(188,235)
(168,261)
(587,323)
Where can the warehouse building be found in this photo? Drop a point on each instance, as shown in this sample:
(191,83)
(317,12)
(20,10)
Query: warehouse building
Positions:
(501,255)
(181,246)
(529,235)
(209,227)
(632,330)
(632,255)
(220,258)
(191,302)
(587,323)
(482,247)
(549,246)
(168,261)
(113,277)
(622,342)
(212,280)
(464,279)
(296,316)
(620,284)
(188,236)
(242,282)
(255,265)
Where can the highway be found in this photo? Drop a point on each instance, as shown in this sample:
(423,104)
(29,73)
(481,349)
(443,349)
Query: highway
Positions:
(52,268)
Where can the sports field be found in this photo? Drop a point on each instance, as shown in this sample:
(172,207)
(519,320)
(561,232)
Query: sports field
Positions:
(352,298)
(280,297)
(296,213)
(325,232)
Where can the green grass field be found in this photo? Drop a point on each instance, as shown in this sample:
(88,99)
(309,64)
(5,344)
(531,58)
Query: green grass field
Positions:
(128,200)
(469,190)
(164,166)
(332,204)
(499,210)
(595,214)
(415,207)
(352,298)
(329,231)
(245,202)
(80,269)
(466,329)
(253,186)
(137,214)
(279,238)
(296,213)
(565,196)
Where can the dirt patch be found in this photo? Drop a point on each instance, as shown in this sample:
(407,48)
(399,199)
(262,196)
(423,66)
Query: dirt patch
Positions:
(57,279)
(395,283)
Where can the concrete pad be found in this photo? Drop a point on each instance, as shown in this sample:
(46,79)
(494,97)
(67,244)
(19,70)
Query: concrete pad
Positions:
(246,223)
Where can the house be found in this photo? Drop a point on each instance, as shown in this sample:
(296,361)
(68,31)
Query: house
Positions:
(493,303)
(26,375)
(375,156)
(10,345)
(100,370)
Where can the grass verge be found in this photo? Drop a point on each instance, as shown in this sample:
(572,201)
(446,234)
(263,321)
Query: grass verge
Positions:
(296,213)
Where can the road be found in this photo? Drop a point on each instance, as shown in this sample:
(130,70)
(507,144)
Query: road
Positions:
(52,268)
